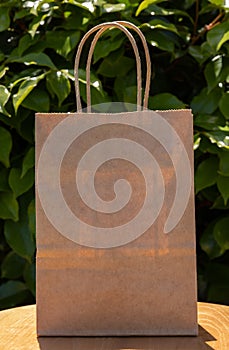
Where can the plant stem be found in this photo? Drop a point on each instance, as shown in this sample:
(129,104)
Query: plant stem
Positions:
(206,28)
(196,18)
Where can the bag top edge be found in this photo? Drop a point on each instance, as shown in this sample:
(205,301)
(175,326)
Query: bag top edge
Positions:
(107,113)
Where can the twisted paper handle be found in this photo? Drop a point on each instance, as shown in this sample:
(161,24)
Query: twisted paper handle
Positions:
(103,27)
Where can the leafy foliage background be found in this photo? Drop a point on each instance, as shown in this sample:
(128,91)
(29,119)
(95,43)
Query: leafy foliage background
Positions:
(188,42)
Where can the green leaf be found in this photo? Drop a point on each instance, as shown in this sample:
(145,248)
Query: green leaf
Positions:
(25,74)
(35,24)
(59,84)
(201,53)
(21,14)
(87,5)
(106,46)
(224,163)
(29,277)
(5,146)
(209,122)
(19,238)
(206,9)
(206,146)
(165,101)
(25,42)
(63,42)
(12,266)
(94,81)
(37,100)
(160,24)
(221,233)
(114,66)
(224,105)
(223,186)
(4,97)
(219,204)
(224,39)
(155,10)
(221,138)
(26,130)
(32,218)
(208,243)
(4,18)
(196,52)
(108,8)
(161,39)
(207,50)
(98,95)
(40,59)
(205,103)
(130,94)
(74,18)
(8,206)
(3,71)
(213,72)
(28,161)
(218,35)
(144,4)
(197,140)
(127,81)
(18,234)
(206,173)
(12,293)
(36,46)
(24,90)
(4,186)
(20,184)
(217,2)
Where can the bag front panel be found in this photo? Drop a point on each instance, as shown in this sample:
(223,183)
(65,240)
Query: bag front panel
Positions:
(144,287)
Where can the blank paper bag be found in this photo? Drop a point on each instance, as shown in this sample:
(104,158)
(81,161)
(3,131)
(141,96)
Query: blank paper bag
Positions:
(115,217)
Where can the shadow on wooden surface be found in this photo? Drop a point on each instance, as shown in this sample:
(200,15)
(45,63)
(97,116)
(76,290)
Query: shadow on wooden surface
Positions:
(205,336)
(124,343)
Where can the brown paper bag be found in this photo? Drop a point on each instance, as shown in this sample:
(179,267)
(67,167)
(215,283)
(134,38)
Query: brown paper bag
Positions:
(115,218)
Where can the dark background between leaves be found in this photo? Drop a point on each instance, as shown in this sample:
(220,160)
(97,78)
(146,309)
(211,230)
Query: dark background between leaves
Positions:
(188,42)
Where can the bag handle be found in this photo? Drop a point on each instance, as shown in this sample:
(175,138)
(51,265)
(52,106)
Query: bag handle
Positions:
(80,47)
(147,57)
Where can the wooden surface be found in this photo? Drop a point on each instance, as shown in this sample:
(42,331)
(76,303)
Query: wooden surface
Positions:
(18,332)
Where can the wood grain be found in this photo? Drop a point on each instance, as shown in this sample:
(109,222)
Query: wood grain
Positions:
(18,332)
